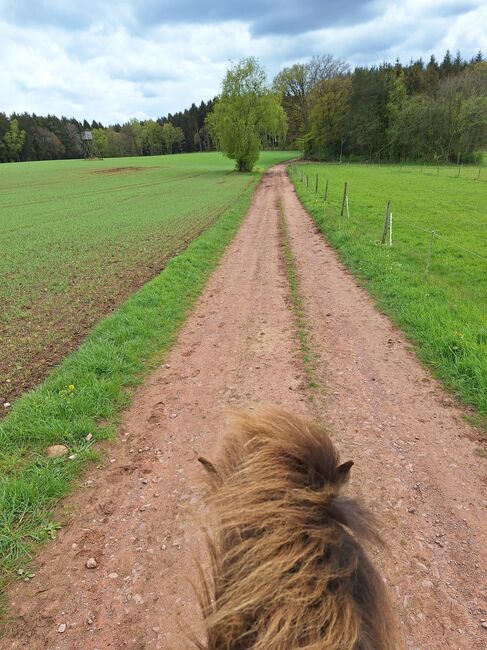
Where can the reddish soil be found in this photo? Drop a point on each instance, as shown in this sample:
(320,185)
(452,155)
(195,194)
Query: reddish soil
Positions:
(28,355)
(120,170)
(415,461)
(36,342)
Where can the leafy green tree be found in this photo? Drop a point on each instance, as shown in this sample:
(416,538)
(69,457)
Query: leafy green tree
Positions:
(415,127)
(179,138)
(168,135)
(100,138)
(127,141)
(297,85)
(171,136)
(328,116)
(14,139)
(137,131)
(113,149)
(397,99)
(152,138)
(203,139)
(246,112)
(472,126)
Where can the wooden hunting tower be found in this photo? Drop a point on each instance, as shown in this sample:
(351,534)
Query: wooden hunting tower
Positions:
(90,147)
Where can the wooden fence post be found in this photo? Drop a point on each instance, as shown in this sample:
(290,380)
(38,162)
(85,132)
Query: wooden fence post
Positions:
(430,250)
(344,196)
(386,223)
(326,189)
(316,184)
(307,185)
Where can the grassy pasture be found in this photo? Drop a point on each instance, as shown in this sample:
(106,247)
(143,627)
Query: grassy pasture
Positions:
(443,311)
(78,237)
(86,391)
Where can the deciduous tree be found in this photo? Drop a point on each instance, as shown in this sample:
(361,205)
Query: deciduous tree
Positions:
(14,139)
(296,84)
(246,112)
(328,116)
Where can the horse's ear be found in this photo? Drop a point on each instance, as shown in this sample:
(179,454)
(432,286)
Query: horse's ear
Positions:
(207,464)
(343,471)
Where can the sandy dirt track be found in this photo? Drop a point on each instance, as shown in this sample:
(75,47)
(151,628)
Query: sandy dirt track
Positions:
(414,457)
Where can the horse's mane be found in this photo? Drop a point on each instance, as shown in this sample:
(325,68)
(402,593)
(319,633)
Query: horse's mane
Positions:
(288,569)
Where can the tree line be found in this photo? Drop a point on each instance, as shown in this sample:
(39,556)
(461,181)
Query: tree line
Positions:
(416,112)
(32,137)
(435,111)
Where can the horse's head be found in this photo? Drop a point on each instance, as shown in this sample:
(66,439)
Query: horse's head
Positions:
(288,567)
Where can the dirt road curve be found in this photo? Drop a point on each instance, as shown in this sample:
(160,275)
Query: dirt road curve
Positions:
(415,463)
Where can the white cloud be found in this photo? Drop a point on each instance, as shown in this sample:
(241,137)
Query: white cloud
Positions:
(112,73)
(409,30)
(469,30)
(111,76)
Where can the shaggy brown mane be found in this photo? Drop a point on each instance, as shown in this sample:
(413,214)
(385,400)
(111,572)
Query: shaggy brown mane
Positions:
(287,567)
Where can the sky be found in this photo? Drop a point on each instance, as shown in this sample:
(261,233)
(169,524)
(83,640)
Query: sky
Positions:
(112,60)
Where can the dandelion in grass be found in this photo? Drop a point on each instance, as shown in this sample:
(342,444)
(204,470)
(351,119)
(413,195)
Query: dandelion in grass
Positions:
(68,391)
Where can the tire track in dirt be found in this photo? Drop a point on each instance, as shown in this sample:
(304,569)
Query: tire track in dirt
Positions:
(414,462)
(414,453)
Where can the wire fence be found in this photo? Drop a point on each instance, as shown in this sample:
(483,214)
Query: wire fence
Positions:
(391,225)
(431,280)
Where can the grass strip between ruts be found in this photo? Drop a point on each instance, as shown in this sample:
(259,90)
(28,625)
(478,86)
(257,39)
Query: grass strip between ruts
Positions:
(297,306)
(92,386)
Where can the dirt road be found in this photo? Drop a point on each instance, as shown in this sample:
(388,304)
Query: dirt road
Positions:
(415,461)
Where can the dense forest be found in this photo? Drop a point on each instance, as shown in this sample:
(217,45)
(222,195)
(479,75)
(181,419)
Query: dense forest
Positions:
(433,112)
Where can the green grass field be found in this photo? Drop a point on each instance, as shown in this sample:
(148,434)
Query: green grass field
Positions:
(443,311)
(67,251)
(77,237)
